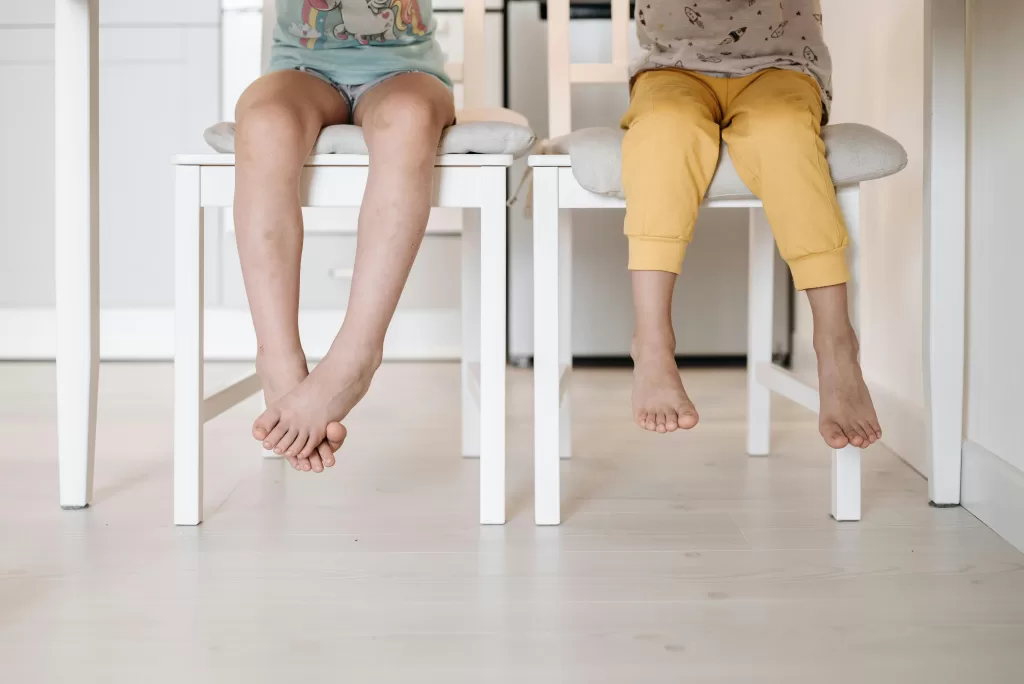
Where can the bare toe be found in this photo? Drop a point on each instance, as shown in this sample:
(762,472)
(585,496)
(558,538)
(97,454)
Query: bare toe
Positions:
(316,464)
(289,438)
(650,424)
(641,419)
(335,434)
(671,420)
(298,445)
(275,436)
(265,424)
(687,418)
(853,434)
(834,435)
(326,451)
(868,433)
(661,423)
(312,442)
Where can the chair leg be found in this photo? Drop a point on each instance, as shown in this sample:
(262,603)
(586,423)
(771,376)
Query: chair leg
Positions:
(547,329)
(493,344)
(188,348)
(760,326)
(846,466)
(471,258)
(565,330)
(76,218)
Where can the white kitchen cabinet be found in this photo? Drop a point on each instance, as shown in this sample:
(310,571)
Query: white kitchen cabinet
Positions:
(27,194)
(117,12)
(159,87)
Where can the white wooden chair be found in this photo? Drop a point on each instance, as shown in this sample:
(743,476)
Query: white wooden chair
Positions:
(580,170)
(469,181)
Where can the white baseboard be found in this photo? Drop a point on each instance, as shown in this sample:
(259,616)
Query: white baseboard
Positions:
(993,491)
(148,334)
(904,428)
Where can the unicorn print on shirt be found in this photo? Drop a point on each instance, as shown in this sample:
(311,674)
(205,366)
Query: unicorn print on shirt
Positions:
(366,20)
(359,22)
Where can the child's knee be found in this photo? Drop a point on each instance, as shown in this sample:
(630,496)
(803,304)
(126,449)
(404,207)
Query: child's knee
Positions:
(666,168)
(268,125)
(408,115)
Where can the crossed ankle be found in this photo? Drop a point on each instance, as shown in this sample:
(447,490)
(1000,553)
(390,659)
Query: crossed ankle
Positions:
(359,361)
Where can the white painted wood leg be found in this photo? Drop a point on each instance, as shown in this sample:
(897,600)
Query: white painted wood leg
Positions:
(76,215)
(547,416)
(188,348)
(945,238)
(846,463)
(760,326)
(493,344)
(565,331)
(846,485)
(471,265)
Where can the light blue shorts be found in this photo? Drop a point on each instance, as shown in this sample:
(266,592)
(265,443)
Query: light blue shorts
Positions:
(354,71)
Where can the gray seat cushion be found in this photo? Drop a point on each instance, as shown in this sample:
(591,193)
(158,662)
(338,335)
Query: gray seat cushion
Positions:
(479,132)
(856,153)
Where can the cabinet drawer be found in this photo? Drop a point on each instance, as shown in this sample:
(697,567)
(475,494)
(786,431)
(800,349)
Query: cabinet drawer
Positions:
(327,262)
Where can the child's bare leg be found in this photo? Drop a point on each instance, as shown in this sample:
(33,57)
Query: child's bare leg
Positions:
(659,401)
(402,121)
(278,119)
(847,415)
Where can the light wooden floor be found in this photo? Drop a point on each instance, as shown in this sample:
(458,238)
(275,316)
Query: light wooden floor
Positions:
(681,559)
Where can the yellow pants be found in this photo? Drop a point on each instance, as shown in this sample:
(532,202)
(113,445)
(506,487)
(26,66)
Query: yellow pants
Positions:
(771,122)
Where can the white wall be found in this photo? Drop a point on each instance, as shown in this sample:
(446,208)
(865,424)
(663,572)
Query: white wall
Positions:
(995,375)
(877,47)
(993,486)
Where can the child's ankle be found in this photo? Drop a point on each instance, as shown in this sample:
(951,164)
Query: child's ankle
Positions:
(656,339)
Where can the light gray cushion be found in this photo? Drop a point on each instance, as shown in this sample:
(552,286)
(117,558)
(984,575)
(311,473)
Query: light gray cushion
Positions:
(476,133)
(856,153)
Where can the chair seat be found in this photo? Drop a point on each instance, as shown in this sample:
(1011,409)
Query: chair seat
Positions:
(485,131)
(856,153)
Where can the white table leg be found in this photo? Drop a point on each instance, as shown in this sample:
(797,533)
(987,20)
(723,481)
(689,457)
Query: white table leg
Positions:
(493,344)
(188,348)
(945,240)
(76,215)
(760,327)
(547,423)
(470,311)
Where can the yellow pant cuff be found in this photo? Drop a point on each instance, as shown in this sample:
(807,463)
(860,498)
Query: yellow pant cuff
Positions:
(820,270)
(656,254)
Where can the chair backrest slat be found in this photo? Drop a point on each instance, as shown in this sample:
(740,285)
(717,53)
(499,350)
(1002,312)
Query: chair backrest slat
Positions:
(471,72)
(562,73)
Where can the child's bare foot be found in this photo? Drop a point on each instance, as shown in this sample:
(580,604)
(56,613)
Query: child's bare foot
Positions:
(660,403)
(280,374)
(847,415)
(297,424)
